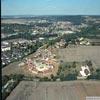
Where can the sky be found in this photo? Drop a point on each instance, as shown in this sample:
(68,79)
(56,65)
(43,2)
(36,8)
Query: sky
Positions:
(50,7)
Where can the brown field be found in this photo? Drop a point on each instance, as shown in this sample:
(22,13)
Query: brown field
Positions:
(80,53)
(12,21)
(70,90)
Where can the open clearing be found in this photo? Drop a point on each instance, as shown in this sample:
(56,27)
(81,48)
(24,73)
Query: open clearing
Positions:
(69,54)
(69,90)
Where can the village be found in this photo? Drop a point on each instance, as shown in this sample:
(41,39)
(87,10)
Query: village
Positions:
(46,61)
(43,62)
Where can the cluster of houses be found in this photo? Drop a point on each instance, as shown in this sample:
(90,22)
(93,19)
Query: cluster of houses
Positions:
(5,46)
(78,41)
(82,41)
(43,62)
(14,49)
(86,41)
(39,67)
(61,44)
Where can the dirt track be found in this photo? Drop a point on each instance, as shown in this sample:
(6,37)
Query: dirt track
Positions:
(70,90)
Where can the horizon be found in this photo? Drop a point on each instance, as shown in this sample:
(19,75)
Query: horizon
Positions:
(49,15)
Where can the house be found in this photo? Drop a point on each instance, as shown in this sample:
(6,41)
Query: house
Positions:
(82,41)
(84,72)
(61,44)
(94,41)
(4,48)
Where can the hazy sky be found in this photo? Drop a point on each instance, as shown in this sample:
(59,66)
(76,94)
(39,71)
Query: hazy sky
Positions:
(50,7)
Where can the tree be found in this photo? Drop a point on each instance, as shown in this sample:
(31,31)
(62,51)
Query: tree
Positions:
(88,62)
(44,79)
(71,77)
(95,75)
(74,64)
(4,95)
(53,77)
(61,77)
(5,78)
(18,77)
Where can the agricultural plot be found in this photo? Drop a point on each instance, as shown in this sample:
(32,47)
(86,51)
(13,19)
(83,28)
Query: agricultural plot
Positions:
(12,21)
(69,90)
(79,54)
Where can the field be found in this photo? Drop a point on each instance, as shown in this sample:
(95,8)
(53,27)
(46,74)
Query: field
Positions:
(12,21)
(80,53)
(68,54)
(70,90)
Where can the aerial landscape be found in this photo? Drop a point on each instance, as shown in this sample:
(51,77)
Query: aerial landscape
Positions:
(50,51)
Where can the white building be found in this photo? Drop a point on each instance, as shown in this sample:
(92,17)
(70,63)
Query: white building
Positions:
(83,73)
(5,49)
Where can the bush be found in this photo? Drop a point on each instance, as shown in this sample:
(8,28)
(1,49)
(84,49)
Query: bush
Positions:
(71,77)
(53,77)
(4,95)
(95,75)
(18,77)
(5,78)
(68,77)
(44,79)
(74,64)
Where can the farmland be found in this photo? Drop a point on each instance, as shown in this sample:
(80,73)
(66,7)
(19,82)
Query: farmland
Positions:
(12,21)
(69,90)
(80,53)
